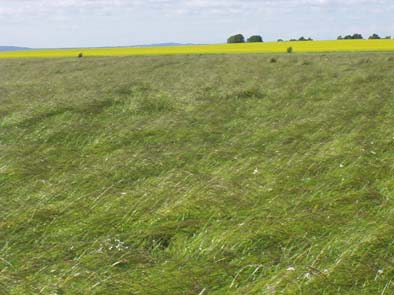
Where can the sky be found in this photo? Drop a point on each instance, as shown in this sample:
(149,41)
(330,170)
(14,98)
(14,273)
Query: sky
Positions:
(97,23)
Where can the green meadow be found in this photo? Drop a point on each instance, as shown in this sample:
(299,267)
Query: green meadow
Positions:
(197,174)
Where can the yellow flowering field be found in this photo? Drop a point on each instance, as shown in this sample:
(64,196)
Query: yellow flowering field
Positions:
(267,47)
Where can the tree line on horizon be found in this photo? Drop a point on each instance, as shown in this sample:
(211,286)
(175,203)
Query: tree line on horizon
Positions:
(239,38)
(360,37)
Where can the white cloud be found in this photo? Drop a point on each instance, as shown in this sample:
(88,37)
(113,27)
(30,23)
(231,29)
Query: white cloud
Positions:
(29,8)
(109,21)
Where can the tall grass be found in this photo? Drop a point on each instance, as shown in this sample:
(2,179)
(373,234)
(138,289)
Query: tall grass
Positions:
(197,175)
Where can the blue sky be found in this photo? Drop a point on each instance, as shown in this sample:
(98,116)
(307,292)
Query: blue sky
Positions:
(81,23)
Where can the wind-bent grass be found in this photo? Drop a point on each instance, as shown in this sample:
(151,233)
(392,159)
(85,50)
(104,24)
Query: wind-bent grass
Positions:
(268,47)
(225,174)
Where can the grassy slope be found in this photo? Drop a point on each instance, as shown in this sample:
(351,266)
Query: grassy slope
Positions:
(175,175)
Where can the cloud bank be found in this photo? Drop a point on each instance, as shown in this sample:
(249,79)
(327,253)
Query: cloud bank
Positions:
(120,22)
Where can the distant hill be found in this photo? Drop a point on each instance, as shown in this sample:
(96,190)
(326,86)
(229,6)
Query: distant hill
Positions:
(163,44)
(12,48)
(15,48)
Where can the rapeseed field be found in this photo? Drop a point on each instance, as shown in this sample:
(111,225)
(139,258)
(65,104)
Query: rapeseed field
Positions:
(268,47)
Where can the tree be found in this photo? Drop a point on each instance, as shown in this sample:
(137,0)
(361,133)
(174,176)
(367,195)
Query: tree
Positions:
(255,38)
(357,36)
(239,38)
(352,37)
(280,40)
(374,36)
(302,38)
(340,37)
(387,37)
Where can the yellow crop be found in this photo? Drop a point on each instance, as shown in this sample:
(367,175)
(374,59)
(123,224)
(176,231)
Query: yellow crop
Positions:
(268,47)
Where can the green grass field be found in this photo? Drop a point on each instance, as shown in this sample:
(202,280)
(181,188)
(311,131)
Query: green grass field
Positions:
(266,47)
(212,174)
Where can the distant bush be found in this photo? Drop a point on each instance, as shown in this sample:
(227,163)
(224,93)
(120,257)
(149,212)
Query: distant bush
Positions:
(239,38)
(340,37)
(290,50)
(358,36)
(80,55)
(353,37)
(387,37)
(255,39)
(374,36)
(302,38)
(280,40)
